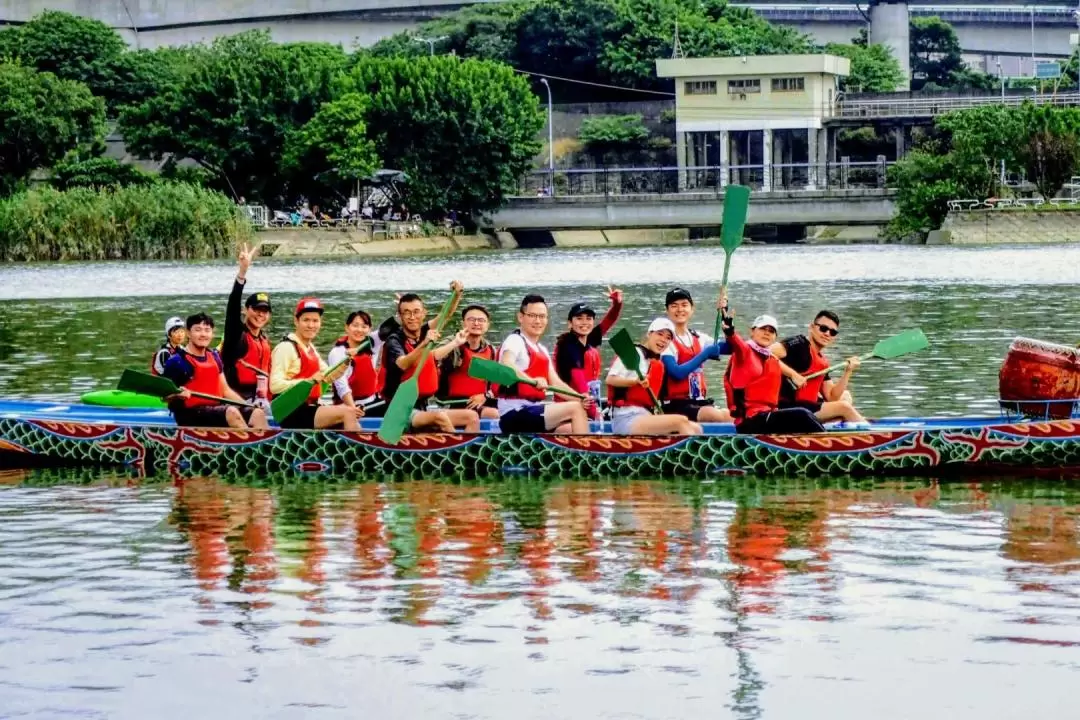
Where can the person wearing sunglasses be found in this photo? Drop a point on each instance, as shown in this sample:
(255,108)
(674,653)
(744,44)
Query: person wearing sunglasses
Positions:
(803,355)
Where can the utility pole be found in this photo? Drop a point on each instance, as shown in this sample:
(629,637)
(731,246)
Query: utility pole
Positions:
(430,41)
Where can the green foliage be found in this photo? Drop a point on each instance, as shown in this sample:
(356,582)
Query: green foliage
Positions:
(464,130)
(609,134)
(42,119)
(873,67)
(332,147)
(925,181)
(99,172)
(233,108)
(863,144)
(936,60)
(158,221)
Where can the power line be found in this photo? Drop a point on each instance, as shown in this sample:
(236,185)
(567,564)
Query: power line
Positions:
(603,85)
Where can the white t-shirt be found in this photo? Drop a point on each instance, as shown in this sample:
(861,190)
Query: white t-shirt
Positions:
(520,347)
(619,370)
(687,341)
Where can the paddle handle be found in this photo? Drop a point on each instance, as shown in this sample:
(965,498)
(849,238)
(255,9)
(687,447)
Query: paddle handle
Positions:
(555,390)
(723,291)
(252,368)
(222,400)
(834,368)
(658,409)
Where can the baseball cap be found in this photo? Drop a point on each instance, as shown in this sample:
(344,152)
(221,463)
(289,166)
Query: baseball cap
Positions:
(308,304)
(580,309)
(173,323)
(677,294)
(259,301)
(765,321)
(662,323)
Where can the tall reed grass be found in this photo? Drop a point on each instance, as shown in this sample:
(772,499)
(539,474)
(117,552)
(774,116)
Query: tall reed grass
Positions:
(160,221)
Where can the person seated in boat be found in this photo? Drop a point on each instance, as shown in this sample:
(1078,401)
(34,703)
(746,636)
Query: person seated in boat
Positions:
(175,338)
(577,351)
(629,397)
(686,392)
(359,384)
(245,347)
(401,356)
(455,383)
(521,406)
(801,355)
(295,359)
(198,368)
(752,382)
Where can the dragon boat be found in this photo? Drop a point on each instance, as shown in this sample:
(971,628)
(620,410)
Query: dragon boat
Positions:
(146,440)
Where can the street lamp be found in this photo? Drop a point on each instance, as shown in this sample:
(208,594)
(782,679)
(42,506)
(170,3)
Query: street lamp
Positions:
(430,41)
(551,138)
(1002,76)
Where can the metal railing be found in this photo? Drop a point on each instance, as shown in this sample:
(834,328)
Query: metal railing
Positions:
(972,205)
(931,107)
(669,180)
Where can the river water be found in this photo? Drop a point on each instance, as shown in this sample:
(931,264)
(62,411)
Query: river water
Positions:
(124,598)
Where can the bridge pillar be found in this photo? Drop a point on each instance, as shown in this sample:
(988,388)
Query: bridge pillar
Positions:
(889,26)
(766,160)
(725,147)
(681,159)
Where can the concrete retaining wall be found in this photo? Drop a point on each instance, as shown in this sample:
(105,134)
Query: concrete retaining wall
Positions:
(338,243)
(1003,227)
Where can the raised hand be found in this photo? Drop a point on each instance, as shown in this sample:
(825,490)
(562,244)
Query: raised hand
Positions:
(456,286)
(244,259)
(614,294)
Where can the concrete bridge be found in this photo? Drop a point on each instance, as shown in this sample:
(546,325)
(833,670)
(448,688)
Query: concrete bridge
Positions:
(987,27)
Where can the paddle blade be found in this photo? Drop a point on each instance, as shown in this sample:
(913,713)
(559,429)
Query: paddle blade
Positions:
(146,384)
(287,402)
(396,420)
(736,202)
(494,372)
(903,343)
(624,347)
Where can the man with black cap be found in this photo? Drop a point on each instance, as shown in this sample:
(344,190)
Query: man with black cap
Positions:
(245,349)
(685,391)
(577,351)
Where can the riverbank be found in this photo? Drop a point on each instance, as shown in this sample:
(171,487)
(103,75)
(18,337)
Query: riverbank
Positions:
(1007,227)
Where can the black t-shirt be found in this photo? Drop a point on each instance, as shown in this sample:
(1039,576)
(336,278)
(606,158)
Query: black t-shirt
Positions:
(394,349)
(798,359)
(570,352)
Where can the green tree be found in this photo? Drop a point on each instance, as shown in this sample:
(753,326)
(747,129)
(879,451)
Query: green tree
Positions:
(42,119)
(478,31)
(935,51)
(332,148)
(464,130)
(611,135)
(1049,151)
(873,67)
(232,109)
(72,48)
(98,172)
(143,74)
(980,139)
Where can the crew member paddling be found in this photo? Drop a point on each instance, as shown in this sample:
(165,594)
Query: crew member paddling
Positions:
(753,383)
(455,383)
(197,368)
(521,406)
(175,338)
(295,359)
(629,398)
(686,392)
(802,355)
(360,382)
(245,349)
(400,361)
(577,351)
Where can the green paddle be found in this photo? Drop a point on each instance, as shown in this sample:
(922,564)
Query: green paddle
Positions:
(624,347)
(903,343)
(162,387)
(396,420)
(287,402)
(736,201)
(500,374)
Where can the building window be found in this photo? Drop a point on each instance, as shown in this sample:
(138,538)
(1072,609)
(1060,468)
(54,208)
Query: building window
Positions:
(699,87)
(788,84)
(737,87)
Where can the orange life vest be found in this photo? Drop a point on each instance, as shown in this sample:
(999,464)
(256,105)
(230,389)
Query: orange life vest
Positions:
(635,395)
(309,366)
(428,382)
(539,367)
(680,389)
(752,387)
(206,377)
(364,380)
(459,384)
(257,353)
(811,391)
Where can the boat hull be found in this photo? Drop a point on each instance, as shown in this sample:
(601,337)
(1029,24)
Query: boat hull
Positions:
(988,446)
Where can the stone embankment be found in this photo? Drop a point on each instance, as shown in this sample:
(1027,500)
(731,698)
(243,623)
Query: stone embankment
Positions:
(1007,227)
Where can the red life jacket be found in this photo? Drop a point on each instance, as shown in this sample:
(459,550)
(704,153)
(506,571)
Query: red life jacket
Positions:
(752,387)
(811,391)
(581,377)
(428,383)
(637,396)
(206,377)
(539,367)
(256,352)
(363,380)
(309,365)
(459,384)
(680,389)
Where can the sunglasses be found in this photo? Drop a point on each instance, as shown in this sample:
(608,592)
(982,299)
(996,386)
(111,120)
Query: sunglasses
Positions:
(828,330)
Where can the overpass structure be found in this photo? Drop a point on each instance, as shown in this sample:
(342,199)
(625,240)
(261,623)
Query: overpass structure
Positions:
(987,27)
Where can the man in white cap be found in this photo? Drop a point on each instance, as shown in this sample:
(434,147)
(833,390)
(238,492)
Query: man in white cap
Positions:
(753,383)
(175,338)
